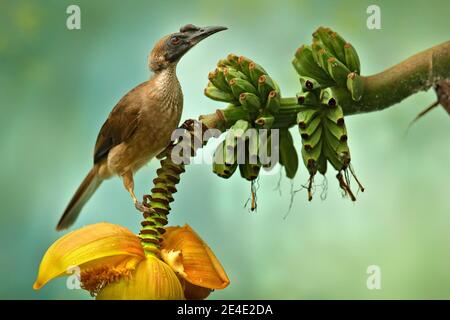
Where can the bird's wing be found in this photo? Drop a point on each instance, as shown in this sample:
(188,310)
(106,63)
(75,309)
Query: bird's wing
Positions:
(121,124)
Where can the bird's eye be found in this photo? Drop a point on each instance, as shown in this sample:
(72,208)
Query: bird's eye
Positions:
(175,40)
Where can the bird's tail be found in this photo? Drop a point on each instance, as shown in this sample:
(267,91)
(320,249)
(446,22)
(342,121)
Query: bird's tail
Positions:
(79,199)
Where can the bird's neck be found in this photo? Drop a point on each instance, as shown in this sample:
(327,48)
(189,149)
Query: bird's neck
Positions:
(166,78)
(168,88)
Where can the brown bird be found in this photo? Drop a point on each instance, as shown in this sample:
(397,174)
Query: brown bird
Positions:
(140,125)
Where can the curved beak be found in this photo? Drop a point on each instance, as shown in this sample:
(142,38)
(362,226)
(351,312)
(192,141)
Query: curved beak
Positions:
(203,33)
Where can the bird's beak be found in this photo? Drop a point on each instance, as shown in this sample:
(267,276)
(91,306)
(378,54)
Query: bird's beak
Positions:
(203,33)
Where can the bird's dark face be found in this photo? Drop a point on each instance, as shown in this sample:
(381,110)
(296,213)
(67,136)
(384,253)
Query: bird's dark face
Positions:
(171,48)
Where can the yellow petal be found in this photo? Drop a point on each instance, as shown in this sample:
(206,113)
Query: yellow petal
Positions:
(103,249)
(151,280)
(200,265)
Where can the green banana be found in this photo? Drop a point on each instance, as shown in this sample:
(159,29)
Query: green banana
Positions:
(244,64)
(338,71)
(305,116)
(217,78)
(250,101)
(273,102)
(233,61)
(265,86)
(323,35)
(355,86)
(312,141)
(311,157)
(239,86)
(336,115)
(231,73)
(339,132)
(338,45)
(332,157)
(308,98)
(307,132)
(352,58)
(216,94)
(224,171)
(223,63)
(221,167)
(324,56)
(327,98)
(249,171)
(256,71)
(309,84)
(332,141)
(265,120)
(315,48)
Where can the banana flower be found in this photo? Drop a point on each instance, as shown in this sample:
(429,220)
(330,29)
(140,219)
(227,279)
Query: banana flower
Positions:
(112,264)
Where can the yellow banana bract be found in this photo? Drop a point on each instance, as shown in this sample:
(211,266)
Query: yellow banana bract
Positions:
(192,259)
(91,248)
(152,279)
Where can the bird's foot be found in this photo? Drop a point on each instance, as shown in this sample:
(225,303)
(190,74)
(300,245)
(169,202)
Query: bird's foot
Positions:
(143,206)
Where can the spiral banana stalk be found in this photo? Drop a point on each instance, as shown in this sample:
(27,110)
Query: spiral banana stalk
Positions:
(164,186)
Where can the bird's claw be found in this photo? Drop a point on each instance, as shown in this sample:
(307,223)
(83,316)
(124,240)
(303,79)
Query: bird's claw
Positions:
(143,208)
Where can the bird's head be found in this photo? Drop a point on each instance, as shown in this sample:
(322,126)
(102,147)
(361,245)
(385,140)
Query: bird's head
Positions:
(169,50)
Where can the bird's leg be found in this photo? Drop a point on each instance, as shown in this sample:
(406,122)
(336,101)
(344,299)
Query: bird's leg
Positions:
(128,182)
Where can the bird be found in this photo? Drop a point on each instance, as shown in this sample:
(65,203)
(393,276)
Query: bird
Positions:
(140,125)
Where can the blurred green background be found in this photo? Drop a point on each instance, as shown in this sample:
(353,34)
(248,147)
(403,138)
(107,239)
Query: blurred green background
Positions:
(58,86)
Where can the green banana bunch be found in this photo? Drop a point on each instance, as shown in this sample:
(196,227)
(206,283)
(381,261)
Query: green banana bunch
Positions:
(330,61)
(245,84)
(255,99)
(242,82)
(324,137)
